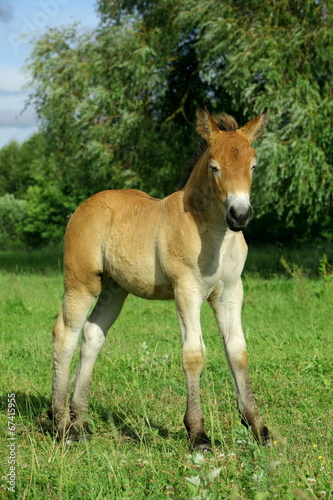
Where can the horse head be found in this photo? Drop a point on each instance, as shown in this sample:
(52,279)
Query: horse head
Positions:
(231,161)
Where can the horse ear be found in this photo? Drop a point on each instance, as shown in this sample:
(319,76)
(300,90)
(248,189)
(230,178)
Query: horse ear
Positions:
(206,125)
(254,128)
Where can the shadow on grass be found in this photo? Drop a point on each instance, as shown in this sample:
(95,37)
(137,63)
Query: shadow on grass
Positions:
(26,405)
(133,426)
(139,428)
(126,424)
(29,408)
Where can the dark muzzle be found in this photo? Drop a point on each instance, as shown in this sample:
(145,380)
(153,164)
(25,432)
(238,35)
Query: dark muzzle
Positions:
(238,216)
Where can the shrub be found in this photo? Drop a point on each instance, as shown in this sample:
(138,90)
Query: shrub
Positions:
(12,215)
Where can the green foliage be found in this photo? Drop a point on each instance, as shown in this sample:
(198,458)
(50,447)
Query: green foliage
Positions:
(18,162)
(117,106)
(47,211)
(100,97)
(279,54)
(8,163)
(12,215)
(325,269)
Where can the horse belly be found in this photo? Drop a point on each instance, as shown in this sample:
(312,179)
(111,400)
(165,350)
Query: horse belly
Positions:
(139,273)
(143,287)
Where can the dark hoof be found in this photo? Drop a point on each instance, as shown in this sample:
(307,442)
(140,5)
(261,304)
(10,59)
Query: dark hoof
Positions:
(265,438)
(78,432)
(85,438)
(203,448)
(75,433)
(75,438)
(268,441)
(202,444)
(261,434)
(50,413)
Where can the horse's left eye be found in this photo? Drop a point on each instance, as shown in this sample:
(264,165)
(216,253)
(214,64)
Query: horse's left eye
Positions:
(253,167)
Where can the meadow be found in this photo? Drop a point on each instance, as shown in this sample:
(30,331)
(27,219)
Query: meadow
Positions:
(139,447)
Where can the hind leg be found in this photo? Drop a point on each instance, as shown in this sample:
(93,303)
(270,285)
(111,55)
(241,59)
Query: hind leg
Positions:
(66,333)
(105,313)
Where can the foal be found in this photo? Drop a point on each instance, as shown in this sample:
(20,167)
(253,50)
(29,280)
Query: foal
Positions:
(188,247)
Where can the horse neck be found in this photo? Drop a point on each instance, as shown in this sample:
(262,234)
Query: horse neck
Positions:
(201,194)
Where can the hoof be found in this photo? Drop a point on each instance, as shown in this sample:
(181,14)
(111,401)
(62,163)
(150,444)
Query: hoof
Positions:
(203,448)
(75,438)
(265,438)
(71,431)
(202,444)
(75,433)
(261,434)
(85,438)
(69,441)
(50,413)
(78,432)
(271,440)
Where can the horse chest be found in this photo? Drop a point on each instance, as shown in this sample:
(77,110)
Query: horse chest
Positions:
(224,261)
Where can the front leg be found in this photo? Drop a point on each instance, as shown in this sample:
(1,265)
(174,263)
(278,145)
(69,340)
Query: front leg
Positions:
(226,302)
(193,353)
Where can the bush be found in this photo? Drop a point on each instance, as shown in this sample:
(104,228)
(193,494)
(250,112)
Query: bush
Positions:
(12,215)
(47,211)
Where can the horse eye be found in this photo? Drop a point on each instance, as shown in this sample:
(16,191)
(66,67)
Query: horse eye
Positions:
(214,169)
(253,167)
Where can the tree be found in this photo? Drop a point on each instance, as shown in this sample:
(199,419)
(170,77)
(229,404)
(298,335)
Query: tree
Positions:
(280,54)
(118,106)
(19,163)
(9,177)
(12,215)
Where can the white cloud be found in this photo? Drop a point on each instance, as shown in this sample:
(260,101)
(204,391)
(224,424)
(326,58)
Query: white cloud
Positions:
(12,79)
(16,134)
(13,100)
(15,118)
(26,16)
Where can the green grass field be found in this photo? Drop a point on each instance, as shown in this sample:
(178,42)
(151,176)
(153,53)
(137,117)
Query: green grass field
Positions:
(139,448)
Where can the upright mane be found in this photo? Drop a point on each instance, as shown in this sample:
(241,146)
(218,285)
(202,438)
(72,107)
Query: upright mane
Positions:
(225,122)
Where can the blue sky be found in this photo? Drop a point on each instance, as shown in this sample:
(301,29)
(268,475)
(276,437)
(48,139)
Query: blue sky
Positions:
(18,17)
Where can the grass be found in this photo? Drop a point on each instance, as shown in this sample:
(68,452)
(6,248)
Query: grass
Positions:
(139,448)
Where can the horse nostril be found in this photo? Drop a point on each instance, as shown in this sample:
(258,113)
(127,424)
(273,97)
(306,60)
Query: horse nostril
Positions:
(233,213)
(238,216)
(249,213)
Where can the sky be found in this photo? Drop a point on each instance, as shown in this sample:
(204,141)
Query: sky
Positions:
(19,17)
